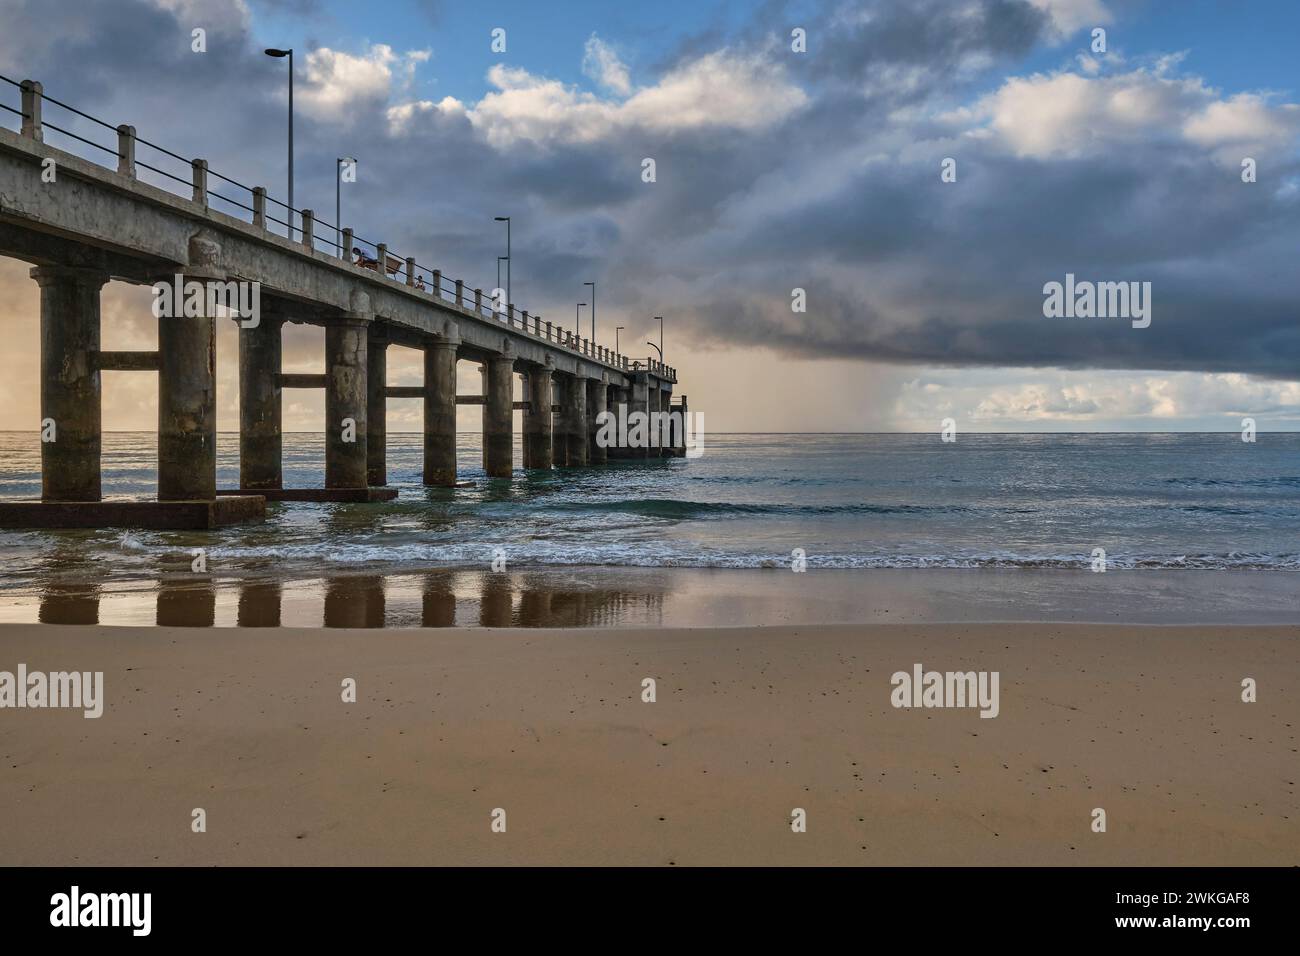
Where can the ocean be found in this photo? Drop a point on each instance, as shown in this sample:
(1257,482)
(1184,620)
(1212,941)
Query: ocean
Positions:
(1151,501)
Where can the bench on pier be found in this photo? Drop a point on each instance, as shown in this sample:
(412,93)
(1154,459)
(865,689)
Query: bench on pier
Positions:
(394,265)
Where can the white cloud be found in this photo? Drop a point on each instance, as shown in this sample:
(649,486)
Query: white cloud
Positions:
(601,63)
(401,116)
(721,90)
(1245,120)
(339,81)
(1069,115)
(1006,399)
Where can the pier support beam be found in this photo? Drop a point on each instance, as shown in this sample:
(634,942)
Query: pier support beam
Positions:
(498,416)
(655,403)
(187,408)
(640,402)
(597,405)
(574,421)
(260,440)
(345,402)
(440,412)
(537,419)
(70,382)
(377,408)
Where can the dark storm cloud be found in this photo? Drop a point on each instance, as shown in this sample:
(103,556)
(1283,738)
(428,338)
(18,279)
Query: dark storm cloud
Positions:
(841,197)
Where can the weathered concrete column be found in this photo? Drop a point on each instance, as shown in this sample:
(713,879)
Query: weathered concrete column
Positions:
(597,401)
(187,388)
(574,424)
(498,416)
(654,405)
(376,408)
(440,411)
(346,394)
(70,383)
(618,396)
(640,403)
(187,408)
(260,406)
(537,419)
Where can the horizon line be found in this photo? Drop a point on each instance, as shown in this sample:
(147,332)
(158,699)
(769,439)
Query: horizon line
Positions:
(1227,431)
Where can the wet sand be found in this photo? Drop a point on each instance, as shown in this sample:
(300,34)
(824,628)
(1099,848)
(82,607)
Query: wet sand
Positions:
(749,723)
(657,597)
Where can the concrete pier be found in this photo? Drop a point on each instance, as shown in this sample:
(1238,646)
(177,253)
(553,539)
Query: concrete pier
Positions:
(187,408)
(261,444)
(377,408)
(70,383)
(440,413)
(346,394)
(537,419)
(574,421)
(113,225)
(498,416)
(597,404)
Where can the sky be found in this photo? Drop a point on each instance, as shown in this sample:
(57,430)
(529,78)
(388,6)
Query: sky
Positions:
(775,170)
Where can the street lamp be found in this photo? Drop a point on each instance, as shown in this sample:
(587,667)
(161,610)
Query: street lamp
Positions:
(593,310)
(661,337)
(577,317)
(501,259)
(338,205)
(272,51)
(617,330)
(509,262)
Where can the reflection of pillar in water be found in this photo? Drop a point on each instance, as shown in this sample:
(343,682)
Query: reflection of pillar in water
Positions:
(438,601)
(354,602)
(259,604)
(495,601)
(186,602)
(535,606)
(67,603)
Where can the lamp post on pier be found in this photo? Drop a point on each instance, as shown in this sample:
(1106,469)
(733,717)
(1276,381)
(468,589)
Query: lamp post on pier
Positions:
(509,261)
(278,54)
(593,311)
(338,203)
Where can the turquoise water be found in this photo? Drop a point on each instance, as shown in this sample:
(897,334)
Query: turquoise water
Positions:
(848,501)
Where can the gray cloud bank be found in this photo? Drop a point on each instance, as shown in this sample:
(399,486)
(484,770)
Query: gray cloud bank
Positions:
(775,170)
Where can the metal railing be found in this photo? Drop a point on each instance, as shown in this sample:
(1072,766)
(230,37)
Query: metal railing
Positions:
(384,261)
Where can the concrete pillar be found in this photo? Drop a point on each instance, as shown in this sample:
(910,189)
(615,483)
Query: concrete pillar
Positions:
(654,404)
(346,394)
(260,440)
(70,385)
(597,401)
(498,416)
(618,397)
(187,408)
(640,403)
(376,408)
(537,419)
(440,413)
(574,419)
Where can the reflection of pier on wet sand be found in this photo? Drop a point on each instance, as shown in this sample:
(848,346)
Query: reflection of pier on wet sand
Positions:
(439,598)
(636,597)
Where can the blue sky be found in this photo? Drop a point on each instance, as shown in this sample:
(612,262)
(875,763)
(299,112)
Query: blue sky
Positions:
(1243,44)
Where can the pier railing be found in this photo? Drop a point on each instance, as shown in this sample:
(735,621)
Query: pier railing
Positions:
(265,211)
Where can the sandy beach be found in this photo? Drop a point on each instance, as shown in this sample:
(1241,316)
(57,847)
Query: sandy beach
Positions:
(748,724)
